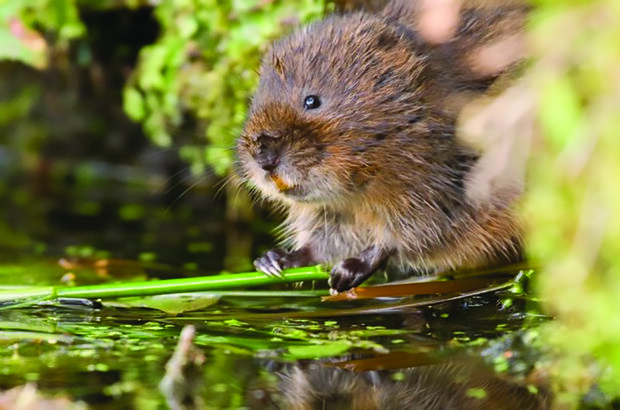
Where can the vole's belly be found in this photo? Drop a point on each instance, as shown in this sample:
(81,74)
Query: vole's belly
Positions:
(337,236)
(337,246)
(332,245)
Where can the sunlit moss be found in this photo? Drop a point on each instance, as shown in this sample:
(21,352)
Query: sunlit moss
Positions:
(205,63)
(574,199)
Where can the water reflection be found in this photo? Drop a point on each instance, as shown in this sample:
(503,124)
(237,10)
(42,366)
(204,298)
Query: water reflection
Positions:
(444,386)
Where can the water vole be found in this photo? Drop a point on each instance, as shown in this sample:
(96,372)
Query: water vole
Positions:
(349,133)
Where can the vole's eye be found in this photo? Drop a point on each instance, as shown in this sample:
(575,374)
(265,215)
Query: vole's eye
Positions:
(311,102)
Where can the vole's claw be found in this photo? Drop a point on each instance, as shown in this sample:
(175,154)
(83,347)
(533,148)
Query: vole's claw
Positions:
(270,263)
(267,267)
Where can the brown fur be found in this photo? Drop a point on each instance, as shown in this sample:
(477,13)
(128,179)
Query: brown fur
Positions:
(378,164)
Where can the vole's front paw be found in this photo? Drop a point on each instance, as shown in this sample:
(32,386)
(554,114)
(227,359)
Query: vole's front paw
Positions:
(272,262)
(349,273)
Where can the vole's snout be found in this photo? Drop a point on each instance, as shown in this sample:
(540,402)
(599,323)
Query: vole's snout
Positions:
(268,153)
(268,159)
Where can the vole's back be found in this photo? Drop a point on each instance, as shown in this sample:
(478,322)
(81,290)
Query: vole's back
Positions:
(458,63)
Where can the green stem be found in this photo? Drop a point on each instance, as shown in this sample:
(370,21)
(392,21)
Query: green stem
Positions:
(158,287)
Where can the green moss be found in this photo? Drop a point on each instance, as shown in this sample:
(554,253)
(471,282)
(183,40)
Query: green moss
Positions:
(205,63)
(574,202)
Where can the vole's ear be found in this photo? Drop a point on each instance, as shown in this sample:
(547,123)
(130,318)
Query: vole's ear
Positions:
(277,64)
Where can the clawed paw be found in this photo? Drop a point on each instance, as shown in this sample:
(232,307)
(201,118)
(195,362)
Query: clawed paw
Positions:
(348,274)
(272,263)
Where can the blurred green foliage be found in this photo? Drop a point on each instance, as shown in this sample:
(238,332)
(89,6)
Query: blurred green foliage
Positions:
(18,18)
(205,63)
(573,204)
(27,30)
(203,67)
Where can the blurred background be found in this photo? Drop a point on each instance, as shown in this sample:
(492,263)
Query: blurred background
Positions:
(118,122)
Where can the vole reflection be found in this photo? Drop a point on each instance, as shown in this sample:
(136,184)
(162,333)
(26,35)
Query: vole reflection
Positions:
(444,386)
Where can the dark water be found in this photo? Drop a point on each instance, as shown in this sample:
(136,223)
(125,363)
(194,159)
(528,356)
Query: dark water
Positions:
(102,224)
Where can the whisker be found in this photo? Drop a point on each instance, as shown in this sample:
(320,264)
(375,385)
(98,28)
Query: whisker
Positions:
(182,194)
(222,184)
(170,178)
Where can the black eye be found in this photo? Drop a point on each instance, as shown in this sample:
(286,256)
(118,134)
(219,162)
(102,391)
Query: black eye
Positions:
(311,102)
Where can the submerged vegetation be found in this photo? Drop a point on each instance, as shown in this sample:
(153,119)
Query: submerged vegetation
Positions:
(83,205)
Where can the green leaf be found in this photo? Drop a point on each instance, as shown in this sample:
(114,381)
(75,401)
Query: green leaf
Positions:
(173,304)
(133,103)
(313,351)
(31,50)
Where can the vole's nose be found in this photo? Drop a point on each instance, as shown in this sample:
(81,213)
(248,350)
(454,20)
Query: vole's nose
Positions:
(268,155)
(268,159)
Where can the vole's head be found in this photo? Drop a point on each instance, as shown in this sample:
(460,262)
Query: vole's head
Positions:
(330,105)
